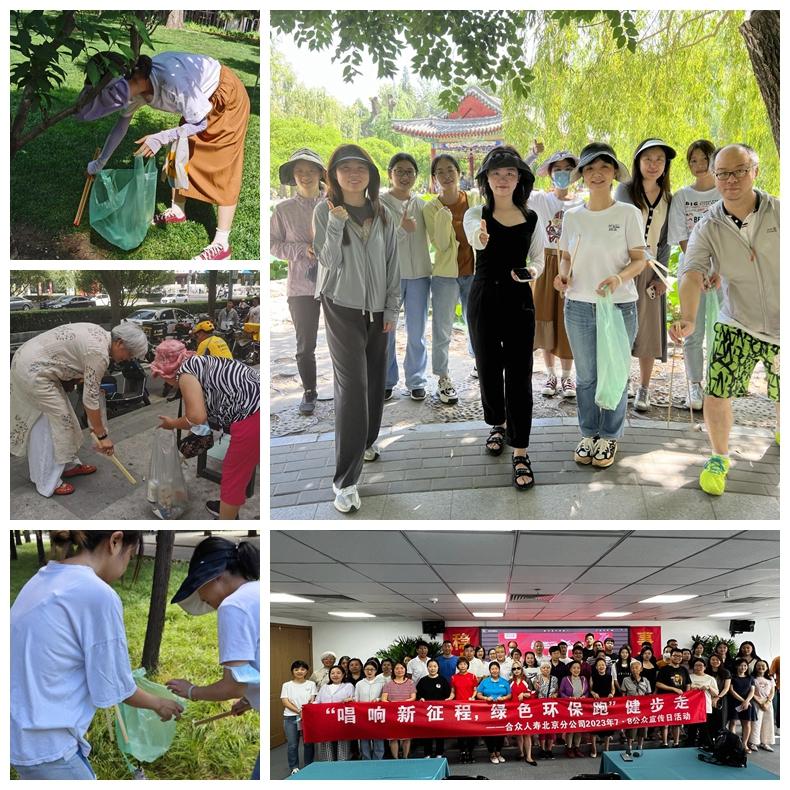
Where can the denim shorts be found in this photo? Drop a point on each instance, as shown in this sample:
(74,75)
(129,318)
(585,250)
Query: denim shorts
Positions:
(74,767)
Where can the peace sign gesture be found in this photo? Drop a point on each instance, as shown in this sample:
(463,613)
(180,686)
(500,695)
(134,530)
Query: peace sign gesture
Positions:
(409,224)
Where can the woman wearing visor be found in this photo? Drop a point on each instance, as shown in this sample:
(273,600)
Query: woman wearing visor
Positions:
(225,577)
(214,109)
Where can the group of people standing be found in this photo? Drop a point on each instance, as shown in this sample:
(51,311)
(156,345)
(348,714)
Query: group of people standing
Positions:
(738,689)
(529,269)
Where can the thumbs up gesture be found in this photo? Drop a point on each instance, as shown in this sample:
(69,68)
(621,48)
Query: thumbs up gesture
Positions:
(537,147)
(409,224)
(483,233)
(337,211)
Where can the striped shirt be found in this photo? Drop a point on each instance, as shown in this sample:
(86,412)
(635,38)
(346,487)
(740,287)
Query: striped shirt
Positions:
(231,389)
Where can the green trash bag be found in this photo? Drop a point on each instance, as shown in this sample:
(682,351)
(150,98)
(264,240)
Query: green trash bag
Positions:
(149,736)
(613,353)
(122,203)
(711,316)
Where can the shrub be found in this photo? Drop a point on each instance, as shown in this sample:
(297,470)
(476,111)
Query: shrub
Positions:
(407,646)
(711,640)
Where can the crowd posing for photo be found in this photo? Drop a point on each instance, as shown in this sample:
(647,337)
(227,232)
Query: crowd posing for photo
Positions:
(741,692)
(532,270)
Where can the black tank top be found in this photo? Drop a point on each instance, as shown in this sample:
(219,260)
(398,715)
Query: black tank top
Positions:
(507,248)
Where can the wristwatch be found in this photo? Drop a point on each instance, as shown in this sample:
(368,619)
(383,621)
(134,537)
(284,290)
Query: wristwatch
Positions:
(102,437)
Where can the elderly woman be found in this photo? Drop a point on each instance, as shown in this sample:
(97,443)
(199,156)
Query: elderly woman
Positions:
(43,423)
(226,394)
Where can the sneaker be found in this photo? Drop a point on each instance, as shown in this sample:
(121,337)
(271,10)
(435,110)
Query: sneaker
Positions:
(346,499)
(447,393)
(418,394)
(494,760)
(568,389)
(501,758)
(295,771)
(214,252)
(695,397)
(585,450)
(713,478)
(168,217)
(307,404)
(474,373)
(387,394)
(605,450)
(372,453)
(642,399)
(550,388)
(213,507)
(631,391)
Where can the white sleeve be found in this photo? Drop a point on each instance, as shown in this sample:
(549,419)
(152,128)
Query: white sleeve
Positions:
(536,246)
(634,230)
(677,230)
(567,231)
(472,219)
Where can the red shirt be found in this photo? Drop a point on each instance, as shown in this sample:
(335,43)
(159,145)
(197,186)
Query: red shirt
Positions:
(463,685)
(520,687)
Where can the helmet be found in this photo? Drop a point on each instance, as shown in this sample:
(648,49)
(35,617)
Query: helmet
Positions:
(203,326)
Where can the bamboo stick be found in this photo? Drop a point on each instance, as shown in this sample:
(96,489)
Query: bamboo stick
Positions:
(214,718)
(86,190)
(124,471)
(121,725)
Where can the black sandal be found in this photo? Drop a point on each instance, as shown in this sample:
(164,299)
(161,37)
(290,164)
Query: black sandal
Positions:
(522,460)
(496,438)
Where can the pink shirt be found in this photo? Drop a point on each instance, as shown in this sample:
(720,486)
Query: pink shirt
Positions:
(399,692)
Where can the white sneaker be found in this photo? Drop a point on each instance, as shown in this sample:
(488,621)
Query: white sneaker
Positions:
(568,389)
(585,450)
(550,386)
(631,391)
(501,758)
(474,374)
(346,499)
(642,400)
(372,453)
(447,393)
(295,771)
(695,397)
(605,451)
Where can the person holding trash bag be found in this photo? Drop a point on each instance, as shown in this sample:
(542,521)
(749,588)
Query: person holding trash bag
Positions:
(226,394)
(43,423)
(602,247)
(69,654)
(225,577)
(505,235)
(215,111)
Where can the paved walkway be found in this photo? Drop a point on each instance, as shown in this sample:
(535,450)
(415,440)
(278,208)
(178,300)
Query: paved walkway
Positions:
(429,472)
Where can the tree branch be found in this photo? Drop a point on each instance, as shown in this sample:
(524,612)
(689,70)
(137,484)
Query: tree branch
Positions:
(712,34)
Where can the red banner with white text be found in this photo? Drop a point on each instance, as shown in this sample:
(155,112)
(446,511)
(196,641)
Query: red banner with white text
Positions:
(443,719)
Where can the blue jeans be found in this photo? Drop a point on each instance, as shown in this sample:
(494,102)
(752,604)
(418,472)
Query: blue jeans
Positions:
(580,327)
(256,772)
(376,753)
(293,734)
(445,295)
(692,345)
(414,298)
(75,767)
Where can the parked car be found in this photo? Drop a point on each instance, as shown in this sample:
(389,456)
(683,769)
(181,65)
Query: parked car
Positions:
(159,322)
(102,300)
(20,303)
(67,302)
(175,299)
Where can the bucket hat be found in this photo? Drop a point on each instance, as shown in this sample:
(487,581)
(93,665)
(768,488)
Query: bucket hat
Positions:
(302,155)
(497,158)
(557,156)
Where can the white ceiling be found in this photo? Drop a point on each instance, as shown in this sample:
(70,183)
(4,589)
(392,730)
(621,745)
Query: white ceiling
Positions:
(395,574)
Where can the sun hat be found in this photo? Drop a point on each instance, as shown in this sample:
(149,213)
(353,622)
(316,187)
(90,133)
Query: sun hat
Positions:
(302,155)
(591,152)
(201,571)
(557,156)
(656,143)
(497,157)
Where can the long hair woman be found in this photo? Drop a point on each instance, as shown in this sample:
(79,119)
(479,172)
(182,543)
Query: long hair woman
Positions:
(69,654)
(224,577)
(355,241)
(509,249)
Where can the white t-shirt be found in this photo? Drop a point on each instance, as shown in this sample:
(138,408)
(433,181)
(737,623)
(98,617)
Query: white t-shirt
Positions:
(604,238)
(298,693)
(477,668)
(687,208)
(506,668)
(550,210)
(239,632)
(417,668)
(183,84)
(68,657)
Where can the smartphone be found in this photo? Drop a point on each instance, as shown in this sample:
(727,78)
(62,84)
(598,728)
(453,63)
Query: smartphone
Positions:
(651,291)
(523,274)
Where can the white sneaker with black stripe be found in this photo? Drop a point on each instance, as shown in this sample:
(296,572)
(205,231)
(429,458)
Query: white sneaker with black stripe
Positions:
(585,450)
(604,453)
(447,393)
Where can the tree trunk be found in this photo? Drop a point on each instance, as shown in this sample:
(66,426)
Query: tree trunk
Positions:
(26,535)
(175,20)
(156,612)
(13,546)
(761,34)
(212,292)
(18,537)
(251,533)
(42,556)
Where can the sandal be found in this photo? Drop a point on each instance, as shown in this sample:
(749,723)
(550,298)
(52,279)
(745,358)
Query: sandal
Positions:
(522,460)
(63,489)
(496,440)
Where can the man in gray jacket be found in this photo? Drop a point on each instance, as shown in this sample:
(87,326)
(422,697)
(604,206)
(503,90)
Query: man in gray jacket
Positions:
(736,242)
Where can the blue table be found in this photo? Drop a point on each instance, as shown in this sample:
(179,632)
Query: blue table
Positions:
(434,768)
(676,764)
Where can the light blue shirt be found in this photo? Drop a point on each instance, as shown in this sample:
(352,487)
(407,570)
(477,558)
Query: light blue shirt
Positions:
(489,687)
(239,632)
(68,657)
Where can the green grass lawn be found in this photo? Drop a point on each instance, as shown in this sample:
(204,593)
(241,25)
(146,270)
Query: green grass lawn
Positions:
(48,175)
(225,749)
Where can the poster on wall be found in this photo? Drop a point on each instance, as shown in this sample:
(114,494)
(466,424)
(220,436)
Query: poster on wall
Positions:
(461,636)
(646,633)
(525,638)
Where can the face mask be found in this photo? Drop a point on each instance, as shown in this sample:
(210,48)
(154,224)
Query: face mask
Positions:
(561,178)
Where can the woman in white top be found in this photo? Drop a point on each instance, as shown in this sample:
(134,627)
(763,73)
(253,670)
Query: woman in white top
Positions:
(688,206)
(294,694)
(699,734)
(336,690)
(368,689)
(69,655)
(764,689)
(224,577)
(603,241)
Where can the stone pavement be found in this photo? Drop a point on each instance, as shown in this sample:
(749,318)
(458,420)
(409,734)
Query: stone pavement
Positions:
(107,494)
(431,472)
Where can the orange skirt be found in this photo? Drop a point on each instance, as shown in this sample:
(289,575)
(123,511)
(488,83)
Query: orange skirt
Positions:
(216,155)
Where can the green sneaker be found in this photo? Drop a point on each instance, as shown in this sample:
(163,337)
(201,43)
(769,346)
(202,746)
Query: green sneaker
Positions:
(713,478)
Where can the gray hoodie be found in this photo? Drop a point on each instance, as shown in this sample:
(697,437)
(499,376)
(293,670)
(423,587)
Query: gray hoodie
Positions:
(750,275)
(363,275)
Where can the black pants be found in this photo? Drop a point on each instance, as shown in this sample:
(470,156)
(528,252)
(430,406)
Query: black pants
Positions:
(358,347)
(466,745)
(502,326)
(433,747)
(495,743)
(305,312)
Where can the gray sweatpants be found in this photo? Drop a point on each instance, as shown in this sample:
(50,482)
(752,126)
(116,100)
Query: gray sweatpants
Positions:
(358,347)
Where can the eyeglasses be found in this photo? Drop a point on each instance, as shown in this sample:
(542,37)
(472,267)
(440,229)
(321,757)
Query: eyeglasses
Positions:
(724,175)
(404,173)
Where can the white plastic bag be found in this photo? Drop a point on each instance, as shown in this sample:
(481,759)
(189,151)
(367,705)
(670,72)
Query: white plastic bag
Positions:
(166,488)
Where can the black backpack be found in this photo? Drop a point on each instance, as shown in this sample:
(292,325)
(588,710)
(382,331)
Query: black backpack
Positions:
(727,750)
